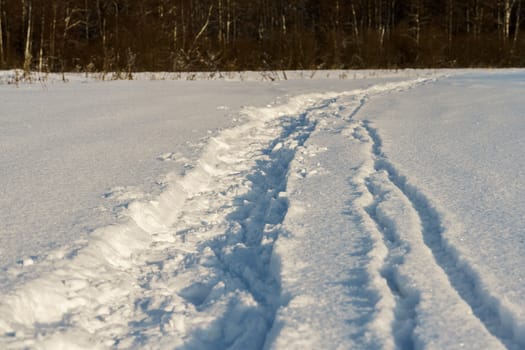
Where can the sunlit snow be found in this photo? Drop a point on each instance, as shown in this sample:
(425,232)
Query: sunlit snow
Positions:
(379,210)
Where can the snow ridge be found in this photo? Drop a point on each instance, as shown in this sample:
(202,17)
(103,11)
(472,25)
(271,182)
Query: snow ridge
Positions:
(498,321)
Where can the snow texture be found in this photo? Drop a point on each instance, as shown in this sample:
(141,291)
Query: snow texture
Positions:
(386,214)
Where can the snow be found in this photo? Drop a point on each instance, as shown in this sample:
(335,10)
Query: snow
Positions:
(467,155)
(73,154)
(379,211)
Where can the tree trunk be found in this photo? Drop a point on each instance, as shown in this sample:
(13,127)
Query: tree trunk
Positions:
(507,9)
(450,22)
(393,14)
(41,49)
(117,40)
(517,25)
(101,20)
(416,21)
(336,35)
(27,51)
(183,26)
(52,38)
(86,13)
(355,26)
(220,35)
(2,53)
(7,38)
(228,22)
(202,30)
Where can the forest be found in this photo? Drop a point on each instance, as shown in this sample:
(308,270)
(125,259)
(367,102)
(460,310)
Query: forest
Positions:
(210,35)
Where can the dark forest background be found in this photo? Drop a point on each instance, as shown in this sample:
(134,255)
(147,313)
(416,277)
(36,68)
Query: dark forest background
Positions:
(186,35)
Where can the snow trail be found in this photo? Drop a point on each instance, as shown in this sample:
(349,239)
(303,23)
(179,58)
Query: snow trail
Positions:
(332,304)
(417,309)
(245,251)
(312,235)
(406,301)
(461,276)
(190,268)
(253,248)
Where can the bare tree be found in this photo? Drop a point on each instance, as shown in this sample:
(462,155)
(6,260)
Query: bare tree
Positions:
(258,34)
(508,5)
(41,48)
(27,5)
(517,25)
(416,19)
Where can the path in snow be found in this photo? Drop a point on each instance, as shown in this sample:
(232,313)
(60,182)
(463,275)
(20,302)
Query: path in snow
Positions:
(460,275)
(390,300)
(293,230)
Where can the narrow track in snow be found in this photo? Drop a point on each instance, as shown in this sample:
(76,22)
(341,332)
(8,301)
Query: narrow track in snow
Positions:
(462,278)
(405,308)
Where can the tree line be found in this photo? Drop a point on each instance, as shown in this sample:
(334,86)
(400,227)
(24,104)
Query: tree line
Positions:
(187,35)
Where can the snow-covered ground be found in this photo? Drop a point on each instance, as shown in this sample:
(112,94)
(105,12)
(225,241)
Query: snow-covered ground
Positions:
(383,210)
(71,155)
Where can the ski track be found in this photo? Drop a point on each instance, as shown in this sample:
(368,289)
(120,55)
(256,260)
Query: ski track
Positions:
(195,268)
(461,276)
(390,249)
(405,308)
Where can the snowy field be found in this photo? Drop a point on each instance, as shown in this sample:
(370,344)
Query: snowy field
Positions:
(370,210)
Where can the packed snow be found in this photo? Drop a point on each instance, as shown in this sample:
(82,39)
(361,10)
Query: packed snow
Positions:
(380,210)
